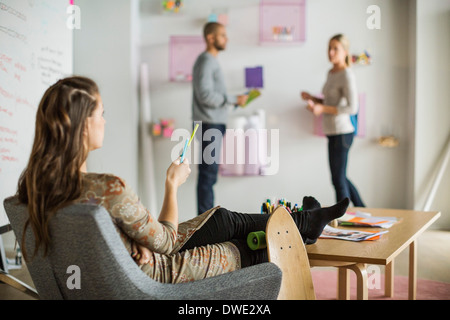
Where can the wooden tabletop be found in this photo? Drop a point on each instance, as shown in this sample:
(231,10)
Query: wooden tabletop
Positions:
(381,251)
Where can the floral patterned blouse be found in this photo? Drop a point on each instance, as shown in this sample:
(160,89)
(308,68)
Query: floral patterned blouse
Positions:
(134,222)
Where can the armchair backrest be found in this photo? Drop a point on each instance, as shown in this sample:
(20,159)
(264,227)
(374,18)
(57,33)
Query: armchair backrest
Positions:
(84,240)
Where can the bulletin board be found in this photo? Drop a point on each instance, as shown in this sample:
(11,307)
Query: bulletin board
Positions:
(184,50)
(35,51)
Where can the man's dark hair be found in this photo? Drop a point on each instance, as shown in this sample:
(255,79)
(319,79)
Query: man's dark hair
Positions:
(210,28)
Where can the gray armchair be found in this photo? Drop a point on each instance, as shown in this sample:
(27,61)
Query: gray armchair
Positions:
(84,236)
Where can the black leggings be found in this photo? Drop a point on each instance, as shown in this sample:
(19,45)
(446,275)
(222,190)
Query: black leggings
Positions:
(225,225)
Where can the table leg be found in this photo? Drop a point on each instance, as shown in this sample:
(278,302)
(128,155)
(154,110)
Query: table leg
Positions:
(343,284)
(389,280)
(362,291)
(412,288)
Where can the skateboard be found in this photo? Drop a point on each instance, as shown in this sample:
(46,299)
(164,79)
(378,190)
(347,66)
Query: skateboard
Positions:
(286,249)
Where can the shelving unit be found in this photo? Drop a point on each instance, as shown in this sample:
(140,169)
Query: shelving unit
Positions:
(282,22)
(183,51)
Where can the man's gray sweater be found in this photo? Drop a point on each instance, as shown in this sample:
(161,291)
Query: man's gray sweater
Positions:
(210,99)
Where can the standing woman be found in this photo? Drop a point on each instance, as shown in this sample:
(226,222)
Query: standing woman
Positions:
(339,103)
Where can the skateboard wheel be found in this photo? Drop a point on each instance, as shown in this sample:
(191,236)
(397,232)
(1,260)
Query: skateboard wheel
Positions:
(256,240)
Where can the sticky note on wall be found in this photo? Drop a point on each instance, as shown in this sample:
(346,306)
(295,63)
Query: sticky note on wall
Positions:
(254,77)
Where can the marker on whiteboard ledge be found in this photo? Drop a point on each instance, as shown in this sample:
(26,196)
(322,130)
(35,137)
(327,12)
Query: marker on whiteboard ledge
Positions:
(188,143)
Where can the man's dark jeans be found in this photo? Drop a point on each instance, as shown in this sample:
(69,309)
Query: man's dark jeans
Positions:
(207,171)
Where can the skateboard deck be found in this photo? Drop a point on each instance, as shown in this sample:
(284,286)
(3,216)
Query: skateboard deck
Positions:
(286,249)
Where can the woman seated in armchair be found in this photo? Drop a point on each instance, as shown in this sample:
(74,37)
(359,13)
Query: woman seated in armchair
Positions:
(70,124)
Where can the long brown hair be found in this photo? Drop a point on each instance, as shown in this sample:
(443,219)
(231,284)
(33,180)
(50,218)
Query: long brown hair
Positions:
(52,178)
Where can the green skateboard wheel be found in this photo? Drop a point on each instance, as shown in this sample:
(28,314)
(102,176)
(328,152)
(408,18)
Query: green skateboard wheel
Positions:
(256,240)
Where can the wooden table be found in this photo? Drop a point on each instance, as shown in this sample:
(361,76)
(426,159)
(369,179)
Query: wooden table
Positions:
(349,255)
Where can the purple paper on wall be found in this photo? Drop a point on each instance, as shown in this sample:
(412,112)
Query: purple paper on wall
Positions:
(254,77)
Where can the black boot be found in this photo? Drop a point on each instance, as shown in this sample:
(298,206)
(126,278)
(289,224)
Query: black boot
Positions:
(310,203)
(311,223)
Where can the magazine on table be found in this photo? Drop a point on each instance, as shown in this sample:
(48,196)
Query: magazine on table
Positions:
(364,219)
(350,235)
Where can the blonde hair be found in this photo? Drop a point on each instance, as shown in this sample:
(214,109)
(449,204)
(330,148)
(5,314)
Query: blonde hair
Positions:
(342,39)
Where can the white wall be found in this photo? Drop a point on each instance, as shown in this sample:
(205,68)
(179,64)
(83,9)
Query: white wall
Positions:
(432,129)
(379,173)
(105,50)
(36,51)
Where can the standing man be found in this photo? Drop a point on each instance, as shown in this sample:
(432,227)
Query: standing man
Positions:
(210,106)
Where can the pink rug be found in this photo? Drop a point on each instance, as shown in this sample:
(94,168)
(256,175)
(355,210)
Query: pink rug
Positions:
(325,286)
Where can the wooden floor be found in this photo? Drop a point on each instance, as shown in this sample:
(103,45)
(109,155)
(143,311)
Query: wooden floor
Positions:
(433,263)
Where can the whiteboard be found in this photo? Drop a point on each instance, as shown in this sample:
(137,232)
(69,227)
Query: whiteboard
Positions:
(35,51)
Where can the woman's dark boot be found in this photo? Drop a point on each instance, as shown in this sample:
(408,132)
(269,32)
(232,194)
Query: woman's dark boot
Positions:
(311,223)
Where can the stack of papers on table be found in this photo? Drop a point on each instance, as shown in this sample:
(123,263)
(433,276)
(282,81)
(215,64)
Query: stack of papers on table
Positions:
(351,235)
(364,219)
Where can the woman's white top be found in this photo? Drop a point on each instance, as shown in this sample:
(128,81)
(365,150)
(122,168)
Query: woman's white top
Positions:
(340,91)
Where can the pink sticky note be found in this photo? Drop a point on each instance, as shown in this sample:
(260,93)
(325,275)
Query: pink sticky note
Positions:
(167,132)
